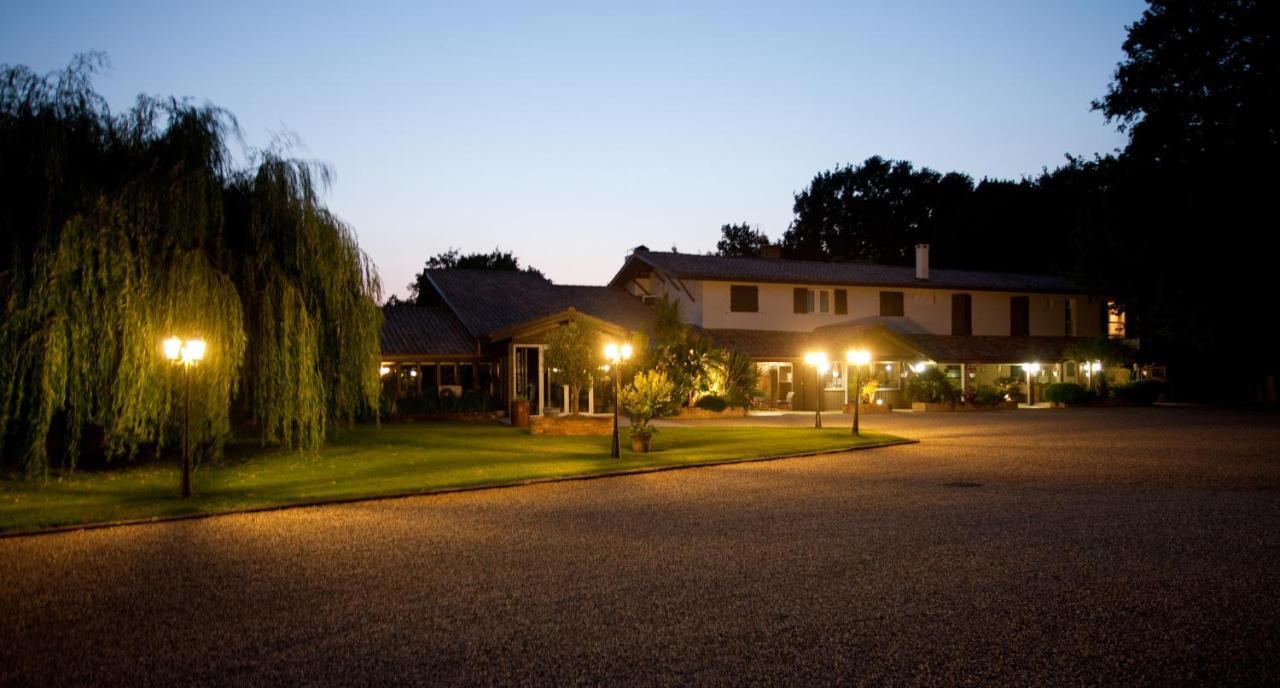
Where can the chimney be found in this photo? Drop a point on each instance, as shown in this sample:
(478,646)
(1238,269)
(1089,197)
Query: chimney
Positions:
(922,261)
(771,251)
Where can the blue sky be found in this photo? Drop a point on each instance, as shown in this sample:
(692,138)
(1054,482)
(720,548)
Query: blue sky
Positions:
(569,133)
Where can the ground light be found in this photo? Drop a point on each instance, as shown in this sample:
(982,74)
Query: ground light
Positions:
(857,358)
(616,355)
(187,353)
(818,360)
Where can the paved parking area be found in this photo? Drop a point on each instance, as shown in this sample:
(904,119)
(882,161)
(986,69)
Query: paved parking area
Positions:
(1109,546)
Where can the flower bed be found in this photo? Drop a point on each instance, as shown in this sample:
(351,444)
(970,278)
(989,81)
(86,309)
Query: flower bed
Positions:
(864,409)
(571,425)
(693,412)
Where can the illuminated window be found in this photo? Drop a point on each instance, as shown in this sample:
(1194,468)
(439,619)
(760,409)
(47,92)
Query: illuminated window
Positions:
(1115,321)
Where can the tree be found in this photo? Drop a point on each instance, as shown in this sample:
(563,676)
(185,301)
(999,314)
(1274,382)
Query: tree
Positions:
(453,258)
(740,240)
(573,355)
(1188,200)
(122,229)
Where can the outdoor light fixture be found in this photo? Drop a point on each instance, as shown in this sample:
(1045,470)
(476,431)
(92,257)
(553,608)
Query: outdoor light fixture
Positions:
(857,358)
(821,365)
(186,353)
(1032,370)
(616,356)
(918,368)
(382,372)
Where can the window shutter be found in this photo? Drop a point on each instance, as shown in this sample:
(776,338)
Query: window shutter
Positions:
(891,304)
(961,314)
(1020,316)
(800,300)
(842,302)
(744,299)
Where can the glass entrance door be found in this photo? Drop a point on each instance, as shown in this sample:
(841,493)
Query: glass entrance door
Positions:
(528,376)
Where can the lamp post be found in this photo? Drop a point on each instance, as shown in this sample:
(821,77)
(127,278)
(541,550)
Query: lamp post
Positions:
(188,354)
(1032,370)
(616,355)
(857,358)
(818,360)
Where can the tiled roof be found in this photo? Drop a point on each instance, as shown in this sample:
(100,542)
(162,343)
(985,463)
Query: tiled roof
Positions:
(761,343)
(991,349)
(487,301)
(730,269)
(423,330)
(889,345)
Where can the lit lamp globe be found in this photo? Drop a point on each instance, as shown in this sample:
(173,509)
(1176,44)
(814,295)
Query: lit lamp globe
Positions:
(173,348)
(194,350)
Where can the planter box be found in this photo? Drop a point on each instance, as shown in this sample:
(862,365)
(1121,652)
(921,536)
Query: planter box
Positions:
(930,407)
(466,416)
(572,425)
(693,412)
(519,413)
(864,409)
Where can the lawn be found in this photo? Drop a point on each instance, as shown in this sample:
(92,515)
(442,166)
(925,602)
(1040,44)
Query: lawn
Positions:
(394,459)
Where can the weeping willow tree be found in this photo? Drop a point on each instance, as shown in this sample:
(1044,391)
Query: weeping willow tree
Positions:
(121,229)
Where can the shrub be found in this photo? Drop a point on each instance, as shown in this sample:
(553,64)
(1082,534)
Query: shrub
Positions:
(1139,391)
(649,396)
(932,386)
(1068,393)
(711,403)
(986,395)
(1011,386)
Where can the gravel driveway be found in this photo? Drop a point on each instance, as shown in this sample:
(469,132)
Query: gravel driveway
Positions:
(1109,546)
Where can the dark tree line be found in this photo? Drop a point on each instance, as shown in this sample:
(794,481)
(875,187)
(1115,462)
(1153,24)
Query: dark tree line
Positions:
(1179,227)
(497,259)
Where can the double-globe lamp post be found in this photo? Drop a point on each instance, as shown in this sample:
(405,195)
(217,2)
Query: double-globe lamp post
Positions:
(856,359)
(616,355)
(188,354)
(821,365)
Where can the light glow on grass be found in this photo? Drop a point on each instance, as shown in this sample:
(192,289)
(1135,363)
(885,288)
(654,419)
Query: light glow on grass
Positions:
(394,459)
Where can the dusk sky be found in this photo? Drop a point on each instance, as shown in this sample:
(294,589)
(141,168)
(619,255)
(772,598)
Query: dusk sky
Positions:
(570,133)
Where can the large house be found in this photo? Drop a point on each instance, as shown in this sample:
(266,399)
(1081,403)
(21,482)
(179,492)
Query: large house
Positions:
(485,330)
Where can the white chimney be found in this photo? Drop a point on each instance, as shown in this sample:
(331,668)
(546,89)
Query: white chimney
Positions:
(922,261)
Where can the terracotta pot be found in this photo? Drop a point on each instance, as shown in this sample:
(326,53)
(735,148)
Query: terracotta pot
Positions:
(520,413)
(640,443)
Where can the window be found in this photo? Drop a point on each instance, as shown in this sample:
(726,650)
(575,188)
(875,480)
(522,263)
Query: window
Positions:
(834,379)
(1069,326)
(961,314)
(1115,321)
(448,374)
(842,302)
(650,300)
(891,304)
(824,302)
(744,299)
(1020,316)
(801,300)
(466,375)
(484,377)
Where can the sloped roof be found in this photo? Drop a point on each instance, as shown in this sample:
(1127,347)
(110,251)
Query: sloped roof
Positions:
(731,269)
(991,349)
(488,301)
(424,330)
(761,343)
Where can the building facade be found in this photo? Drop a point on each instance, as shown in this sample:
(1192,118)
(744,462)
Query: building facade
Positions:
(977,327)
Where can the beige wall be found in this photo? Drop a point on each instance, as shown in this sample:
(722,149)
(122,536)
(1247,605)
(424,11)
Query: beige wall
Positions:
(930,309)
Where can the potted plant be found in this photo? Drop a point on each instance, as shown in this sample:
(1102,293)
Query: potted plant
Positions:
(520,411)
(648,396)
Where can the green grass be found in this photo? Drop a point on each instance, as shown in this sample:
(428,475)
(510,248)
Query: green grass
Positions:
(394,459)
